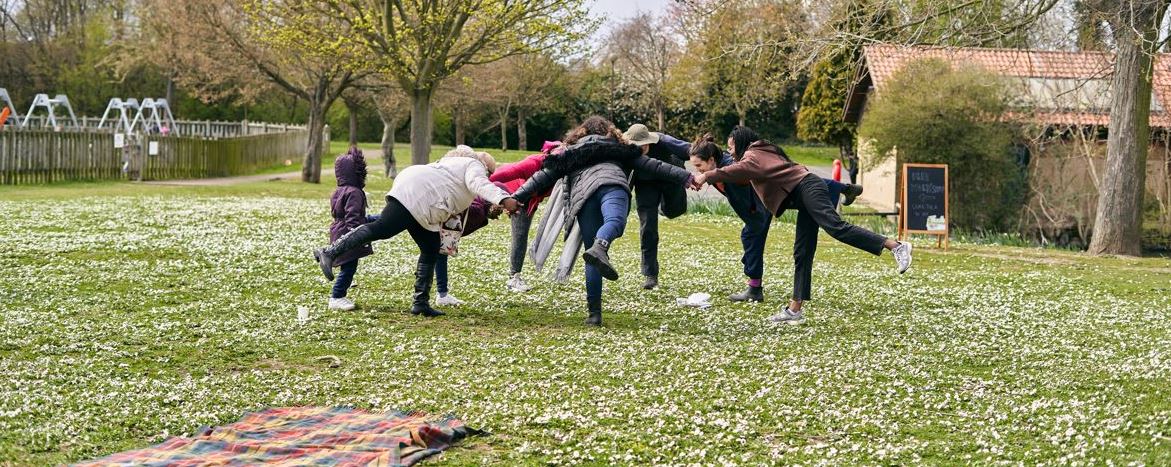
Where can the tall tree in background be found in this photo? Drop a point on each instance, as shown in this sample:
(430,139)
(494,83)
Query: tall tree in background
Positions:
(460,95)
(823,102)
(420,43)
(738,71)
(1118,221)
(1088,26)
(534,78)
(219,55)
(643,50)
(390,103)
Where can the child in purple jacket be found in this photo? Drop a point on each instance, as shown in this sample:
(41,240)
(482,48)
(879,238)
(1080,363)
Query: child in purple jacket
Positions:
(348,207)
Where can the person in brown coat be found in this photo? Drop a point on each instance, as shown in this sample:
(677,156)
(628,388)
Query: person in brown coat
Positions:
(781,184)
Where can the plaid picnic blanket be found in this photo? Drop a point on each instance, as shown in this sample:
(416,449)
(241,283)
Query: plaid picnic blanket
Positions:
(304,436)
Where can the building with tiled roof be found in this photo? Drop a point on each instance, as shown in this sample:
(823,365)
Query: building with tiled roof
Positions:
(1053,89)
(1066,88)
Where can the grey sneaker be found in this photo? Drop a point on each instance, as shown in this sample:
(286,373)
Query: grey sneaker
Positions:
(787,317)
(902,254)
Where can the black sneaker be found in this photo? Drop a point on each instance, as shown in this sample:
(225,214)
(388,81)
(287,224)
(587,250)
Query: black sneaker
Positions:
(751,294)
(426,311)
(851,192)
(651,282)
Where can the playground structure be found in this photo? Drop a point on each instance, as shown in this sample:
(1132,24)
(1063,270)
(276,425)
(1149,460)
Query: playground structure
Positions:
(153,114)
(135,140)
(50,106)
(6,101)
(122,107)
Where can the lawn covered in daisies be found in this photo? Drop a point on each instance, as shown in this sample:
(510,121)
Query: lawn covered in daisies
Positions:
(129,314)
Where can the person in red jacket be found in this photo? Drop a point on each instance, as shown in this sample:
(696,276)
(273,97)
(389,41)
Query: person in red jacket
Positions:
(513,176)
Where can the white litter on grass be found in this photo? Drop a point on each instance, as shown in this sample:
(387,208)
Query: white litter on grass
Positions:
(302,314)
(698,300)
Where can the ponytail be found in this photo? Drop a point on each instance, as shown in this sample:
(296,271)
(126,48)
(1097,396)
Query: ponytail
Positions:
(705,148)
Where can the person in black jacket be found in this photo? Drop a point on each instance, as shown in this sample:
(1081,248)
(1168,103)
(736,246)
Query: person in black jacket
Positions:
(597,165)
(652,196)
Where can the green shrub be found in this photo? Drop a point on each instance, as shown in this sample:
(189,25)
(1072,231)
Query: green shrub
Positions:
(934,113)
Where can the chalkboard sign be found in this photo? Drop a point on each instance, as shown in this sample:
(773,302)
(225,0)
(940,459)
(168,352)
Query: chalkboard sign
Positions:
(924,201)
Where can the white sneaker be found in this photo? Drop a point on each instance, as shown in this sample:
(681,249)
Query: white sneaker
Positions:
(448,300)
(902,254)
(517,284)
(343,304)
(792,318)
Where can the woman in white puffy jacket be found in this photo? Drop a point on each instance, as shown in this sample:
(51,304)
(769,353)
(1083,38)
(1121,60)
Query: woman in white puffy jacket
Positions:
(422,199)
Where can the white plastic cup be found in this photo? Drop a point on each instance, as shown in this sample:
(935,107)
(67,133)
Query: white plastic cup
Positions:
(302,314)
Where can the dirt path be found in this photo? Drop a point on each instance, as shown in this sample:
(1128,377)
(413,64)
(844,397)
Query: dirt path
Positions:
(371,156)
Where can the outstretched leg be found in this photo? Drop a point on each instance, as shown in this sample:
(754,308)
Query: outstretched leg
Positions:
(812,197)
(395,218)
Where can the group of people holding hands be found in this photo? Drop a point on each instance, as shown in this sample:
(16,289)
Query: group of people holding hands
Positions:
(601,169)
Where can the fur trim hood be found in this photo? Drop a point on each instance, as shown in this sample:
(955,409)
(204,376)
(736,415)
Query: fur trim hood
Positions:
(590,151)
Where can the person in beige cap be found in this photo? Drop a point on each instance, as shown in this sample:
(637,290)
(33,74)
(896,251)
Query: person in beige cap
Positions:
(653,196)
(663,146)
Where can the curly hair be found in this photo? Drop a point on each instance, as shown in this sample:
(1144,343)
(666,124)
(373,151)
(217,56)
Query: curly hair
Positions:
(595,125)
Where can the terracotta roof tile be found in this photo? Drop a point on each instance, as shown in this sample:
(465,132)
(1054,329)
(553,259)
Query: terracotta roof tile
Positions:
(882,61)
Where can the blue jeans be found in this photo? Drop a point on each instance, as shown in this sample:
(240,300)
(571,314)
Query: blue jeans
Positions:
(752,238)
(603,216)
(835,190)
(441,274)
(344,279)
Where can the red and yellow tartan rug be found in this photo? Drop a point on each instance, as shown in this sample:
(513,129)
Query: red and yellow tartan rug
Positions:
(305,436)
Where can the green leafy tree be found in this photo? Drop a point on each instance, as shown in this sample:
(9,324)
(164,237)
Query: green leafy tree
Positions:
(213,49)
(934,113)
(420,43)
(824,101)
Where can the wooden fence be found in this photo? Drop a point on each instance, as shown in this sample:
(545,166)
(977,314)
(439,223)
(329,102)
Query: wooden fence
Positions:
(41,156)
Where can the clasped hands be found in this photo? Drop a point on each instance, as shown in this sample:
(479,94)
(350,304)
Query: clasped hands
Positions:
(697,181)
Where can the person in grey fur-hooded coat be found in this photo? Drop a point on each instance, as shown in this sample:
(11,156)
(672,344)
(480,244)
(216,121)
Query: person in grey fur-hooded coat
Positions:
(597,165)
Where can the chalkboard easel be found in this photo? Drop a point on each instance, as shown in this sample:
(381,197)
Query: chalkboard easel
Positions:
(925,209)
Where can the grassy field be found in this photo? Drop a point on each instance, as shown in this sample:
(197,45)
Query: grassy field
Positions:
(132,313)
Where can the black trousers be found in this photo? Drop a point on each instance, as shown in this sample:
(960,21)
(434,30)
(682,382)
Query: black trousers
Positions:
(648,196)
(395,219)
(814,210)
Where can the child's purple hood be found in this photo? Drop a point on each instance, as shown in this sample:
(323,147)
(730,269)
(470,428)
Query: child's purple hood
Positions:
(350,169)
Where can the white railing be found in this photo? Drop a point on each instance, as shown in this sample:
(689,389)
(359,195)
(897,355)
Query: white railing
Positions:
(186,128)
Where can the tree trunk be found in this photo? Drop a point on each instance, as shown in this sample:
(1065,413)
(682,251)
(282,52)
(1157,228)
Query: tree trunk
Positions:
(352,109)
(504,129)
(171,93)
(311,168)
(659,117)
(458,117)
(421,126)
(522,137)
(743,115)
(1118,222)
(389,124)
